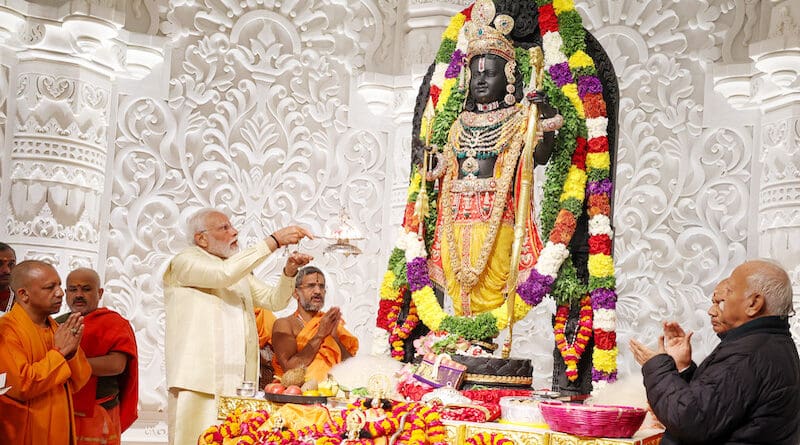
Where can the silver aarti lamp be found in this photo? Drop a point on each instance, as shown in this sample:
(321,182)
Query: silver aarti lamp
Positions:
(342,234)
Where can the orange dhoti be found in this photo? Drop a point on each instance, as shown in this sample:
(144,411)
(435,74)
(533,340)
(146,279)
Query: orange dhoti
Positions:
(106,331)
(329,353)
(101,427)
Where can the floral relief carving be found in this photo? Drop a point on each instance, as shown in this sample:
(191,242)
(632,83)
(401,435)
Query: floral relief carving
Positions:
(50,105)
(59,158)
(256,122)
(32,33)
(681,189)
(781,152)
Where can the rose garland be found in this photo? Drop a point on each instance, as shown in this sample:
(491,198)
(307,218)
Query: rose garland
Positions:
(580,167)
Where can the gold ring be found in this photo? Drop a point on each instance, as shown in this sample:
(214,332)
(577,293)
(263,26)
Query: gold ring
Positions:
(74,331)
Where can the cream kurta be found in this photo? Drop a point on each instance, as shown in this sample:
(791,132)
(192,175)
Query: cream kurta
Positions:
(211,337)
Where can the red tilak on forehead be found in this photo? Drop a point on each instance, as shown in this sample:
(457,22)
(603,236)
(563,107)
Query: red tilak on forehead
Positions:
(482,64)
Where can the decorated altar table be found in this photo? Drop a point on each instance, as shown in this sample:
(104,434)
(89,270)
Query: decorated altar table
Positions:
(457,433)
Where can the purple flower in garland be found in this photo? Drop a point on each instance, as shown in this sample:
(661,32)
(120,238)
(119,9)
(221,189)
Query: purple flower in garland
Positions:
(603,299)
(604,376)
(533,290)
(588,85)
(561,74)
(599,187)
(456,62)
(417,273)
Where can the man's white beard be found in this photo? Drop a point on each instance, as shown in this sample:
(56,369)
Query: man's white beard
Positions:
(222,251)
(312,308)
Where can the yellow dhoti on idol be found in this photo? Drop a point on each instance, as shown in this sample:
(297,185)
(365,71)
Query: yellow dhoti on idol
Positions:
(471,252)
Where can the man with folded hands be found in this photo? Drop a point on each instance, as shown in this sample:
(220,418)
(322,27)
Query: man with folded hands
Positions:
(747,391)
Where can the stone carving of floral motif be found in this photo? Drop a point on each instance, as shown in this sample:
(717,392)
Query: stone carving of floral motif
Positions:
(786,25)
(45,225)
(32,33)
(63,107)
(59,157)
(256,123)
(681,189)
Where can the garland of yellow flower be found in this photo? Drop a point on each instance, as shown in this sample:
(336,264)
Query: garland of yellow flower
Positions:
(571,352)
(423,426)
(400,331)
(573,72)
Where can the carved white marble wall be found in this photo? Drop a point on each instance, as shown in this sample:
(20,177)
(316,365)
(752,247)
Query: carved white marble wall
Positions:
(286,112)
(762,80)
(58,154)
(257,122)
(61,66)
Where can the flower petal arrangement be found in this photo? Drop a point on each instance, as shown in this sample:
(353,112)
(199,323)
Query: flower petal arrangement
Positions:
(577,175)
(422,425)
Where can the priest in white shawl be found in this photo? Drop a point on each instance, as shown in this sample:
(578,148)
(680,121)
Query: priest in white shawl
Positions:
(211,337)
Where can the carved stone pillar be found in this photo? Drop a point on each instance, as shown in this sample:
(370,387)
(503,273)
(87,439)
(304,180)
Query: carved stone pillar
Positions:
(62,70)
(58,157)
(425,22)
(770,83)
(779,203)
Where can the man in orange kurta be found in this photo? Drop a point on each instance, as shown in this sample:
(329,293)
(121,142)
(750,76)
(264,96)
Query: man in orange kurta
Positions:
(107,405)
(310,337)
(43,361)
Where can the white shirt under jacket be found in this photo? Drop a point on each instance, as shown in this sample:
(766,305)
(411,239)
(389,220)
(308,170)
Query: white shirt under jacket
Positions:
(211,338)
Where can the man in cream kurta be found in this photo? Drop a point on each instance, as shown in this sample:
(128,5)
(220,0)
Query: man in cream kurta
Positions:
(211,336)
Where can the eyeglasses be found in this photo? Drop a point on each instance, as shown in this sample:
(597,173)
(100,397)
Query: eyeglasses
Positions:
(222,228)
(312,286)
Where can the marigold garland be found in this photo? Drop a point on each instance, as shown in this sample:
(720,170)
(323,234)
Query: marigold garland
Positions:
(423,426)
(572,352)
(399,332)
(489,439)
(572,72)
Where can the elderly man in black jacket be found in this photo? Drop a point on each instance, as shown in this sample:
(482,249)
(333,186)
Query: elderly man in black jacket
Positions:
(747,391)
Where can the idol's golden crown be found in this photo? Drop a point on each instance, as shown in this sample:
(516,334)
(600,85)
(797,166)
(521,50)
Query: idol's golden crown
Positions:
(483,38)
